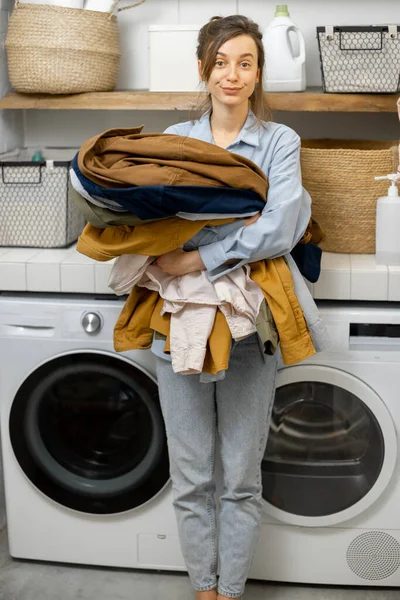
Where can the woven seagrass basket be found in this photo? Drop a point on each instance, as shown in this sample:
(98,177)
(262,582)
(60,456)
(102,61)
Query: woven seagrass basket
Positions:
(59,50)
(339,176)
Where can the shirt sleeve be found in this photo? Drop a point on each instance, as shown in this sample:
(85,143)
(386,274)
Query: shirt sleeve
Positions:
(179,128)
(172,129)
(282,222)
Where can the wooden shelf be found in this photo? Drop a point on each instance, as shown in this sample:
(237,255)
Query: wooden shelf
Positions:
(312,100)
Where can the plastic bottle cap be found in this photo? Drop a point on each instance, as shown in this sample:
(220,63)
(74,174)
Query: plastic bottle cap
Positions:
(281,10)
(393,191)
(394,179)
(37,157)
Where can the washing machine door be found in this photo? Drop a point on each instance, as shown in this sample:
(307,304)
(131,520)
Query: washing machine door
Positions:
(87,430)
(331,450)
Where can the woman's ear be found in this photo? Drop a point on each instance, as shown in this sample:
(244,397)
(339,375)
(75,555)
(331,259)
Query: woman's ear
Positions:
(199,67)
(258,76)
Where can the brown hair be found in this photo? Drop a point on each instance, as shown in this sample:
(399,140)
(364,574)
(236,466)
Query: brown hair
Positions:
(213,35)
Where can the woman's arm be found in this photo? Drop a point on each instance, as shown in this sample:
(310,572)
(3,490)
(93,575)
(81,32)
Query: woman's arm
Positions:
(282,222)
(278,229)
(178,262)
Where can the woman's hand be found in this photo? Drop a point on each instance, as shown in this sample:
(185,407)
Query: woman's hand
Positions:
(251,220)
(178,262)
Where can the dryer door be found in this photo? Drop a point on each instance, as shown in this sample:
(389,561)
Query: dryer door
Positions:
(87,430)
(331,450)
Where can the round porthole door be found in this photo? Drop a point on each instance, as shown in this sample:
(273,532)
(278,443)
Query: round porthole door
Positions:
(331,449)
(87,430)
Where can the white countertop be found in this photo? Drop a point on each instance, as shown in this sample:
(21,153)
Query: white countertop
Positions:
(66,271)
(343,276)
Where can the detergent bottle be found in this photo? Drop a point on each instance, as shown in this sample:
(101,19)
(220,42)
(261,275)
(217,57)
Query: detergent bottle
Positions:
(285,71)
(388,224)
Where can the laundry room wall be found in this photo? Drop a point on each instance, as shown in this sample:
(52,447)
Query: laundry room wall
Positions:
(70,128)
(11,131)
(11,136)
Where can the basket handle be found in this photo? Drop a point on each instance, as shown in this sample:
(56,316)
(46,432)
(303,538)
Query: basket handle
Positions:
(124,7)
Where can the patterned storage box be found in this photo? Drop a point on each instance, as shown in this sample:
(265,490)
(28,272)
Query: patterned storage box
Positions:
(35,206)
(360,59)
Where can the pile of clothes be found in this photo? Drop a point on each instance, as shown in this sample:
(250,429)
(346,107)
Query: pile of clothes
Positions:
(147,194)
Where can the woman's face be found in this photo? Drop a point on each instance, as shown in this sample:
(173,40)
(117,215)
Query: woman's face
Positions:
(235,72)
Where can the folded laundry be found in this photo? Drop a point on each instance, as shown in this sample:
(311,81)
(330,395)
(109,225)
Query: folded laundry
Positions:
(192,301)
(121,157)
(141,315)
(105,203)
(103,217)
(201,178)
(93,199)
(160,201)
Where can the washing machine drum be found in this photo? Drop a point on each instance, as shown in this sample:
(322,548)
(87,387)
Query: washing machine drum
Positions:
(88,432)
(331,450)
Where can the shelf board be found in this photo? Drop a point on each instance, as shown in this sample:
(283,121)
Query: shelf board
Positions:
(312,100)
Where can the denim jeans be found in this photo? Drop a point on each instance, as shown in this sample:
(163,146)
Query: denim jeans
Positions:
(237,410)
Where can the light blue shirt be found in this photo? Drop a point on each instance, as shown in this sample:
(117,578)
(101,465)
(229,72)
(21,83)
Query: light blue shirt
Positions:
(275,149)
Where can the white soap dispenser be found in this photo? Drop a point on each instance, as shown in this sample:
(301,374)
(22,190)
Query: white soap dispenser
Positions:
(388,224)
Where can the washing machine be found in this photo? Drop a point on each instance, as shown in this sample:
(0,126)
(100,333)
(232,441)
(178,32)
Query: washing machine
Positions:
(86,464)
(331,470)
(83,440)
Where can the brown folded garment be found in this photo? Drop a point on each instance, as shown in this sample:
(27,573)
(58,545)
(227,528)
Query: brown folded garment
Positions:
(125,157)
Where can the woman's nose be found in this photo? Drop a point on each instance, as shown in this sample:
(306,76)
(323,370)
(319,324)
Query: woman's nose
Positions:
(232,74)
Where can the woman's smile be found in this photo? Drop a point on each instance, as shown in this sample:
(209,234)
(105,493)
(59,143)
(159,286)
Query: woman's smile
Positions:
(231,91)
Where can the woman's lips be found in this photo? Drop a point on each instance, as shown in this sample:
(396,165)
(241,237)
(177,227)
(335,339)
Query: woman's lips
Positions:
(231,91)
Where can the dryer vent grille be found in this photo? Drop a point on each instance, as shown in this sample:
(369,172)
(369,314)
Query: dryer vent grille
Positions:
(374,555)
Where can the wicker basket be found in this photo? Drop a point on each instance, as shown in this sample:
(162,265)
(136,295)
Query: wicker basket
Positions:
(339,176)
(58,50)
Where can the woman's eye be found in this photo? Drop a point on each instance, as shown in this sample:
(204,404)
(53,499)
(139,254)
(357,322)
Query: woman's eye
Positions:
(245,64)
(219,63)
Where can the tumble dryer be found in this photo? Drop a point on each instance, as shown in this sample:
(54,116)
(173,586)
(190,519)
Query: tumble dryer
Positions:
(83,440)
(331,470)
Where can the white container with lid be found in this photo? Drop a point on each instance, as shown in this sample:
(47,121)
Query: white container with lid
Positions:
(285,71)
(99,5)
(66,3)
(388,224)
(173,61)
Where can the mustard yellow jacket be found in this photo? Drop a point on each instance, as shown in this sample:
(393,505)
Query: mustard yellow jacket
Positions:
(140,316)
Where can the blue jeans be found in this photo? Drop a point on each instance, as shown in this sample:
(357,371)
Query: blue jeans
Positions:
(237,410)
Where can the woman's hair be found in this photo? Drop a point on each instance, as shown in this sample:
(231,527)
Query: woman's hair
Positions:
(218,31)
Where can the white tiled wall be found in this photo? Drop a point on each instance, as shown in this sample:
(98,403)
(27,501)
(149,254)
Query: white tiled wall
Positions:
(77,126)
(308,14)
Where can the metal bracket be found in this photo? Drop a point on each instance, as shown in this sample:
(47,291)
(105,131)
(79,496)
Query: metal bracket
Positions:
(329,32)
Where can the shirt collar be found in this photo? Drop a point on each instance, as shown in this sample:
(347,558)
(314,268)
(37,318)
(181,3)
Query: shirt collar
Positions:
(249,134)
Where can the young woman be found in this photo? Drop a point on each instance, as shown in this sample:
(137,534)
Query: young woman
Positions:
(236,409)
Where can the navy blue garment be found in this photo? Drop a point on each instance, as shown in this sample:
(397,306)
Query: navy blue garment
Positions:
(159,201)
(308,260)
